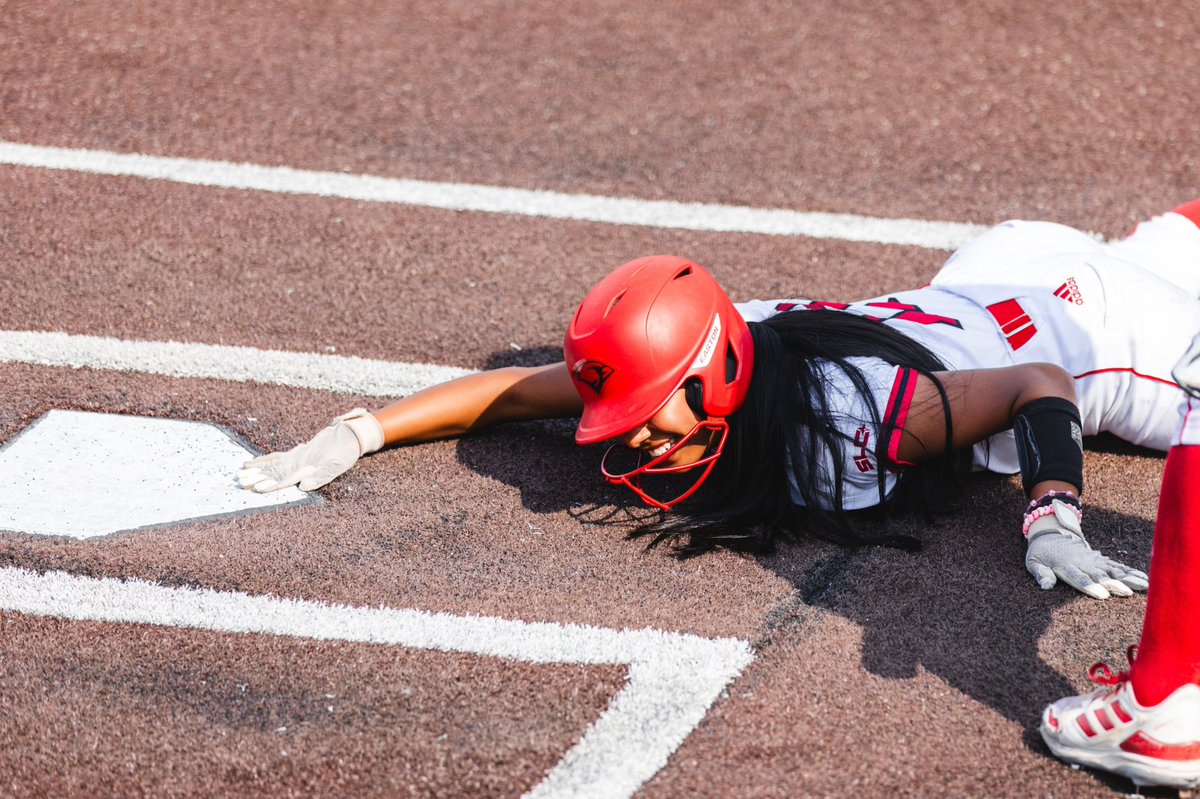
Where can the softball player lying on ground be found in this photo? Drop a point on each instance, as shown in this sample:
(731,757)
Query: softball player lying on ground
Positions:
(787,417)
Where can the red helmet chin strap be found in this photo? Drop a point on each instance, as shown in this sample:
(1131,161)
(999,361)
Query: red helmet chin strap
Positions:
(657,466)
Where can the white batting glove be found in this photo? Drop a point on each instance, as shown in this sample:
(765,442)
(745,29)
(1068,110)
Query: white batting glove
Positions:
(1057,550)
(313,464)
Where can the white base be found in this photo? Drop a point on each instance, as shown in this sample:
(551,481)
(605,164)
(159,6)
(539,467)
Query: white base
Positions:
(83,475)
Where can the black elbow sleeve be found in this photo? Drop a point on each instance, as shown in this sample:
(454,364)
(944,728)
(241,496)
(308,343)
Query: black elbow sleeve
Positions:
(1049,436)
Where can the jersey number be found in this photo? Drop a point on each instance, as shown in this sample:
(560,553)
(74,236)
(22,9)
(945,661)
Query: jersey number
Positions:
(904,312)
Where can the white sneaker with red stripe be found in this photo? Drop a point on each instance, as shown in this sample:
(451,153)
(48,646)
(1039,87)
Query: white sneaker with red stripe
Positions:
(1110,730)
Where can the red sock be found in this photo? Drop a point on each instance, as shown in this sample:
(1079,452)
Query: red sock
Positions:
(1191,211)
(1169,654)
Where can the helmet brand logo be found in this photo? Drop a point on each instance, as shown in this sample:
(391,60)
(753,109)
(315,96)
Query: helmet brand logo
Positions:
(592,374)
(710,345)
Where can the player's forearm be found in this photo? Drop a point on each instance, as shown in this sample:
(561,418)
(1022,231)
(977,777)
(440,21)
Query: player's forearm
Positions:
(478,401)
(1050,383)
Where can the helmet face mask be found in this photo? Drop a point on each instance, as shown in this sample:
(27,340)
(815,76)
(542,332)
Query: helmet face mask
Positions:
(717,431)
(645,331)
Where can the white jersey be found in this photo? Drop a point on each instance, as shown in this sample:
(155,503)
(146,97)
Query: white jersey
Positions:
(1116,316)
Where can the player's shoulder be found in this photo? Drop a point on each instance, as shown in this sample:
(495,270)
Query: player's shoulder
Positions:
(760,310)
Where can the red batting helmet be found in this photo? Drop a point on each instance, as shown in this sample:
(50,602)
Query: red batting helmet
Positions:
(642,333)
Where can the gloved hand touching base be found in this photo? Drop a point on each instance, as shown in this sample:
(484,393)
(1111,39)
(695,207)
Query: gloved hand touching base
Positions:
(310,465)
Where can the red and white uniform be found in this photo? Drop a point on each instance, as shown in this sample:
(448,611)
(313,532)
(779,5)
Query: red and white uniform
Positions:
(1116,316)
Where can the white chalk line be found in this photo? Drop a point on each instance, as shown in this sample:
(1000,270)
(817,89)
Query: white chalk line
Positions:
(337,373)
(673,678)
(496,199)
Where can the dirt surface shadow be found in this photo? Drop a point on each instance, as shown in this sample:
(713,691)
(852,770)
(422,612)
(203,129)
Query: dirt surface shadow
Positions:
(540,459)
(965,609)
(525,356)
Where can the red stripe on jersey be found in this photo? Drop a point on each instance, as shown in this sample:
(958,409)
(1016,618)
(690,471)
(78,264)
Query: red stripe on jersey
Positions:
(1007,311)
(1021,337)
(1019,323)
(896,413)
(1014,323)
(1142,744)
(1133,372)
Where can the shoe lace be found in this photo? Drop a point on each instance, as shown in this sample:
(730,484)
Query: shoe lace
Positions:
(1103,674)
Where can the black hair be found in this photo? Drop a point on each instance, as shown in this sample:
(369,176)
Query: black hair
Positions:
(787,424)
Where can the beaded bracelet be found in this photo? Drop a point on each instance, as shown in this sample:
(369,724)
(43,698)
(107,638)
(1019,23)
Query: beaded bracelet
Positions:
(1049,497)
(1044,506)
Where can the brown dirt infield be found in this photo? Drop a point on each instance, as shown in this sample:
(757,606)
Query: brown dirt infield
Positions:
(878,673)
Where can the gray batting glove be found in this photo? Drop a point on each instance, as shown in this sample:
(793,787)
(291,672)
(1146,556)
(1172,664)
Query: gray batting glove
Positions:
(1058,551)
(1186,371)
(313,464)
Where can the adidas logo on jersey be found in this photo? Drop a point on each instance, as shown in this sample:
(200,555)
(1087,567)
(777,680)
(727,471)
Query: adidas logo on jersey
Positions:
(1070,292)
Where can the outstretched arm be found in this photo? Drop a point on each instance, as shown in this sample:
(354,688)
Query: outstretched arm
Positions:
(478,401)
(989,401)
(449,409)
